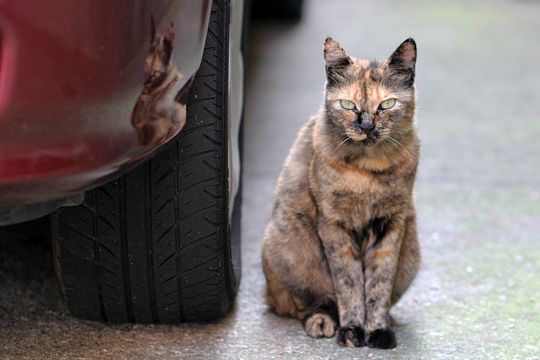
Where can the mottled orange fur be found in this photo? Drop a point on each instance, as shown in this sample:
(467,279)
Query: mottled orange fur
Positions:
(341,245)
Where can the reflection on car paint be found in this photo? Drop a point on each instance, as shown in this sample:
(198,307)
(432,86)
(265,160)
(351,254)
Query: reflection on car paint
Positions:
(160,111)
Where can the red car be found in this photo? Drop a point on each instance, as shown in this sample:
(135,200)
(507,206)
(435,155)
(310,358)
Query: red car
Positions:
(118,120)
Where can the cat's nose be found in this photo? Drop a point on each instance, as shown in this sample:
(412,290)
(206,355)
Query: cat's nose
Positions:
(365,122)
(367,127)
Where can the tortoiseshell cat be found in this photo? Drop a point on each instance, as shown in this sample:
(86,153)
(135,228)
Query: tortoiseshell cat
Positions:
(341,245)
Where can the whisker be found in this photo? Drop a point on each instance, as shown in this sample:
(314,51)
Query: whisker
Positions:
(400,146)
(343,142)
(394,143)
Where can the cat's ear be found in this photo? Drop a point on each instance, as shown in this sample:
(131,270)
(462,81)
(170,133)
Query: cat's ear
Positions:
(336,60)
(403,61)
(334,55)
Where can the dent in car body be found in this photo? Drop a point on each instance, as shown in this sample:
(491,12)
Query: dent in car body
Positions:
(74,76)
(160,111)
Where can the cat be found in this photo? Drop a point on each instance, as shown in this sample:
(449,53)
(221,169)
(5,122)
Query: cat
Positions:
(160,110)
(341,246)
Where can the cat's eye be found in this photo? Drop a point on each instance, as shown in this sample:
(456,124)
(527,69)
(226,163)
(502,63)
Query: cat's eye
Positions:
(347,104)
(387,104)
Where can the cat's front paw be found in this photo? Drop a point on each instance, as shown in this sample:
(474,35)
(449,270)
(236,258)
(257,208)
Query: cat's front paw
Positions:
(350,336)
(381,339)
(320,325)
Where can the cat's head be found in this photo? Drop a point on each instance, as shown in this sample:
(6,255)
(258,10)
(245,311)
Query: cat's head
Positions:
(370,101)
(159,58)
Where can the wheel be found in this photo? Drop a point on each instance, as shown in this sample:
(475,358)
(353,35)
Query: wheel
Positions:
(285,9)
(155,245)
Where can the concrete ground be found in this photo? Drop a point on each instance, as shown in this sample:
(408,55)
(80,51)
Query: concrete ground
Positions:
(478,195)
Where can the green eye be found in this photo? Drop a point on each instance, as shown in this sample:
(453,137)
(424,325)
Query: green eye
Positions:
(387,104)
(347,104)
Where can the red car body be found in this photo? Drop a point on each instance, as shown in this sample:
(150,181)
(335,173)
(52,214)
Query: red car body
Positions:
(70,75)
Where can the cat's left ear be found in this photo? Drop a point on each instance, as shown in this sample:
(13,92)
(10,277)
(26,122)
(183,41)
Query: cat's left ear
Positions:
(403,61)
(336,60)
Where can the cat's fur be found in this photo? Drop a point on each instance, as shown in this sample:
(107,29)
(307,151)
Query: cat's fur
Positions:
(341,245)
(159,114)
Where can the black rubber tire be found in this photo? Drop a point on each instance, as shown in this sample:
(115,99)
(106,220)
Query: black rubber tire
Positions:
(155,245)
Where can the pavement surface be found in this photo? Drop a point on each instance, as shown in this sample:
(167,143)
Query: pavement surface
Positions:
(478,196)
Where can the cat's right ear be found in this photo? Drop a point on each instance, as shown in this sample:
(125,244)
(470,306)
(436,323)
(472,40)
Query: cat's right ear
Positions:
(403,61)
(336,60)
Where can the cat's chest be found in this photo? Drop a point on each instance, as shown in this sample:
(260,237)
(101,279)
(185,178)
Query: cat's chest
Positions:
(358,195)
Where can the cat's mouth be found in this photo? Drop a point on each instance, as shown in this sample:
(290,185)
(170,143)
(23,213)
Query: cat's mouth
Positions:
(358,136)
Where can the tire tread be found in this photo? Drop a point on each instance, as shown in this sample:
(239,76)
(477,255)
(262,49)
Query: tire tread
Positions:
(153,245)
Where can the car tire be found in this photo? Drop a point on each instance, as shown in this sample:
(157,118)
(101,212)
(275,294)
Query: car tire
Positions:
(158,245)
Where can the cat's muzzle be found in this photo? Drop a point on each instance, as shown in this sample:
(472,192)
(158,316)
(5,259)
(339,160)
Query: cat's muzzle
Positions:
(366,131)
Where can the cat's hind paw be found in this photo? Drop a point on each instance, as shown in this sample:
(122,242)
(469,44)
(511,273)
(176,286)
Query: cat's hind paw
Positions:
(350,336)
(320,325)
(381,339)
